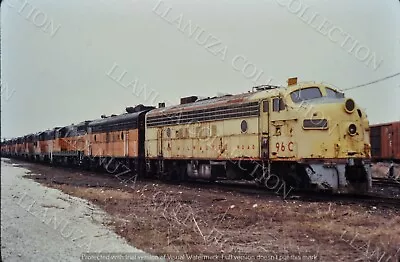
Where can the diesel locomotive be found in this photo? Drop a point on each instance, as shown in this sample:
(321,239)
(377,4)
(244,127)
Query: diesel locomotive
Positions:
(306,135)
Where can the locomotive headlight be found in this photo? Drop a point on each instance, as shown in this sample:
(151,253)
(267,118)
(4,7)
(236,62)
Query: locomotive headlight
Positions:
(352,129)
(349,105)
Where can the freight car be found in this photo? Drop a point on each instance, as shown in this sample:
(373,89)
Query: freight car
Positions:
(307,135)
(385,142)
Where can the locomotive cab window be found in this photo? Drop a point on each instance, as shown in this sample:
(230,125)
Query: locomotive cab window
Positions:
(333,93)
(305,94)
(278,104)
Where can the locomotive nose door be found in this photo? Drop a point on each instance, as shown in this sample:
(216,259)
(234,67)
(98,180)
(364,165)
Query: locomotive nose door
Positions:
(264,129)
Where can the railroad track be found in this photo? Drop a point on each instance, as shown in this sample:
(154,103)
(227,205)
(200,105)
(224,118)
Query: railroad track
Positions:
(251,188)
(368,200)
(383,181)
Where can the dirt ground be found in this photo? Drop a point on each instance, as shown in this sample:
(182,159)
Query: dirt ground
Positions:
(178,221)
(44,224)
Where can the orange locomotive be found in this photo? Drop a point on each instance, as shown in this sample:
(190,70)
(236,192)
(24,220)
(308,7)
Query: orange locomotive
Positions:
(117,138)
(45,144)
(89,143)
(68,144)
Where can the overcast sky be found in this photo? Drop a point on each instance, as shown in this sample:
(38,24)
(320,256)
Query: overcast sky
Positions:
(62,62)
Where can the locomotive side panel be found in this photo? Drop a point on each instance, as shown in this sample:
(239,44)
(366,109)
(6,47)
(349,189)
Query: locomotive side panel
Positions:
(80,143)
(217,140)
(96,147)
(220,128)
(117,136)
(29,146)
(21,147)
(240,139)
(17,147)
(56,145)
(113,144)
(44,149)
(151,142)
(132,143)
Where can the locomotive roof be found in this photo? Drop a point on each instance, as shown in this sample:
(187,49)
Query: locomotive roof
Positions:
(112,120)
(214,102)
(236,99)
(130,117)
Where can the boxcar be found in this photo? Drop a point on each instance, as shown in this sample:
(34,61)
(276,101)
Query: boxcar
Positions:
(385,141)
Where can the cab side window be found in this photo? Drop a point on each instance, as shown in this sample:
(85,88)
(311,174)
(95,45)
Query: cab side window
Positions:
(278,104)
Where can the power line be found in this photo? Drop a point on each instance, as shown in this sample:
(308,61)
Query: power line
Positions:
(372,82)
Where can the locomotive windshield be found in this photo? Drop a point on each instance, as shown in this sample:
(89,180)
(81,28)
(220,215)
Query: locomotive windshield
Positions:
(305,94)
(334,94)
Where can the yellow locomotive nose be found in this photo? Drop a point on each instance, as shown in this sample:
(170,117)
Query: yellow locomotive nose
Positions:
(332,136)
